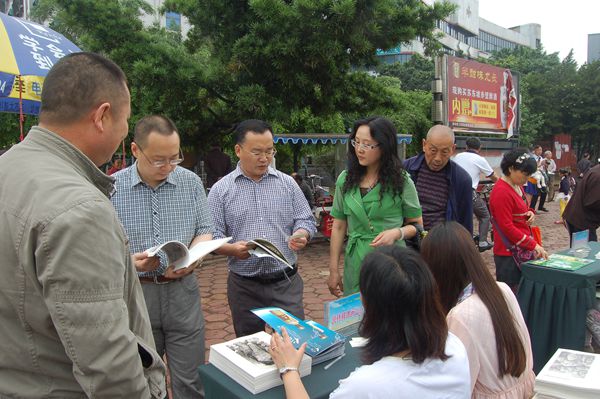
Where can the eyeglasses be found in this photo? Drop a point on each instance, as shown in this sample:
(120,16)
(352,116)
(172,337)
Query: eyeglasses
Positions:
(258,154)
(363,146)
(160,164)
(522,158)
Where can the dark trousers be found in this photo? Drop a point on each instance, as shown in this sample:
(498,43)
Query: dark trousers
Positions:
(572,229)
(534,199)
(244,295)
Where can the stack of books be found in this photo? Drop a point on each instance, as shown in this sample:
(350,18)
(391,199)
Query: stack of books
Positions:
(344,314)
(322,344)
(570,374)
(247,361)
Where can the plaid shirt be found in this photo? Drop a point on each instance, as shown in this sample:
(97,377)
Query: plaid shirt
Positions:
(272,208)
(175,210)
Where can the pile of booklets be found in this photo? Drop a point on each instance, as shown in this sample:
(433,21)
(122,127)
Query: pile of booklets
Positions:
(344,314)
(569,374)
(248,362)
(322,344)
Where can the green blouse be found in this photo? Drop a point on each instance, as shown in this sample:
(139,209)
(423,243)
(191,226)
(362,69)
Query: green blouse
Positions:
(368,216)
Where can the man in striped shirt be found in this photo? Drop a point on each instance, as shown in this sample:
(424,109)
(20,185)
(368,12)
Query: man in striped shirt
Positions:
(158,201)
(257,201)
(444,188)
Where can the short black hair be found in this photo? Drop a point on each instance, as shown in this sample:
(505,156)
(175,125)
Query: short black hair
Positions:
(77,83)
(153,123)
(473,143)
(250,125)
(402,306)
(519,159)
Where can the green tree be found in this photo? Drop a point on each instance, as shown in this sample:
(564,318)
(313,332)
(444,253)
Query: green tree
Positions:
(586,134)
(164,76)
(289,61)
(548,95)
(415,74)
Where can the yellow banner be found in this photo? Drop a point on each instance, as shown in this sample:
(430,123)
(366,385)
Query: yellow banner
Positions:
(32,88)
(484,109)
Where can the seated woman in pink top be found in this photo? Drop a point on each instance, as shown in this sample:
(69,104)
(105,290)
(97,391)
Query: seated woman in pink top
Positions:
(482,313)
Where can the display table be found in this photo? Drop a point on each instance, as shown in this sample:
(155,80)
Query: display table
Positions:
(554,304)
(319,384)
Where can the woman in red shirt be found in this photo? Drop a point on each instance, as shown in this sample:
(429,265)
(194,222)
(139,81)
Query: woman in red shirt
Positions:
(512,216)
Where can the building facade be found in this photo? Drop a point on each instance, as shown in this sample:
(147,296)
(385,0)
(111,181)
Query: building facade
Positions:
(593,50)
(466,34)
(169,20)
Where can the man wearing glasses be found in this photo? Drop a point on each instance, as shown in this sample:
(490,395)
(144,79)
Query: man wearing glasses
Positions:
(257,201)
(157,201)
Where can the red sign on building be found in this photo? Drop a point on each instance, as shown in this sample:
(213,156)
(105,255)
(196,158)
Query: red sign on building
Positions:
(480,96)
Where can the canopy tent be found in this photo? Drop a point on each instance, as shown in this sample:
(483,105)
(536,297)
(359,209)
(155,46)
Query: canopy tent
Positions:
(326,138)
(338,140)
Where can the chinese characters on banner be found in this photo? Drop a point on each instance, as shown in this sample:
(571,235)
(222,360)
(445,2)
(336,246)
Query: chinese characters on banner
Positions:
(480,96)
(28,52)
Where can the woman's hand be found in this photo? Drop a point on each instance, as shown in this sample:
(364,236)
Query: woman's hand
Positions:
(335,284)
(530,215)
(387,237)
(283,352)
(540,251)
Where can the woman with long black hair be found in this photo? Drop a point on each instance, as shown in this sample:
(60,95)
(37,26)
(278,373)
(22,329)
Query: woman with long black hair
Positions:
(375,201)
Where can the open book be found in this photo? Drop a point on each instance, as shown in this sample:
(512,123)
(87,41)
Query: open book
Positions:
(261,247)
(178,254)
(321,343)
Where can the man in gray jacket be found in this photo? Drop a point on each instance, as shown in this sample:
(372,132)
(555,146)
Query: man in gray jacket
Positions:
(73,321)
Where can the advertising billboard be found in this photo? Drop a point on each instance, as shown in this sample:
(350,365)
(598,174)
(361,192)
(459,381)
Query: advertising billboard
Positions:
(480,97)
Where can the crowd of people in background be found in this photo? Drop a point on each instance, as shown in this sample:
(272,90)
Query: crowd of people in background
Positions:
(97,316)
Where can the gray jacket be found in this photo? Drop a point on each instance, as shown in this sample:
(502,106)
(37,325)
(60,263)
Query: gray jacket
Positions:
(73,321)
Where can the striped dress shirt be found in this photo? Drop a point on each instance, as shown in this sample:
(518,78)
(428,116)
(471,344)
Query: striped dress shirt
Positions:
(175,210)
(272,208)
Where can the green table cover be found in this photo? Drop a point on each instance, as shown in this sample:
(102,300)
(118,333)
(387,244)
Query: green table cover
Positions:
(319,384)
(554,304)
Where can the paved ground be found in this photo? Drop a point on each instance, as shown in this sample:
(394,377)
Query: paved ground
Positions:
(313,266)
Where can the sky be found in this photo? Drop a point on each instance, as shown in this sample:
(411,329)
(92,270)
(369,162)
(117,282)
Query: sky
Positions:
(565,24)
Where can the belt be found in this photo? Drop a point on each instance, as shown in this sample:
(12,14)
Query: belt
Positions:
(272,278)
(158,280)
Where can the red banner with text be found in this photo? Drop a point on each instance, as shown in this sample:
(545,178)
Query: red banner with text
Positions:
(480,96)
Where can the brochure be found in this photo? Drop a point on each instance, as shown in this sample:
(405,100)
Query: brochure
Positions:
(180,256)
(247,361)
(322,343)
(261,248)
(344,314)
(563,262)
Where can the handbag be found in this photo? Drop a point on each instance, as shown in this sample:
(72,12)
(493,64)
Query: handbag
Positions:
(536,232)
(520,255)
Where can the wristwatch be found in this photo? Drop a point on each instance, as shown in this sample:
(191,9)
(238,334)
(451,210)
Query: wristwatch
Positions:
(285,369)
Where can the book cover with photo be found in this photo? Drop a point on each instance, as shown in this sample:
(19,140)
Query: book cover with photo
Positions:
(321,343)
(248,362)
(563,262)
(570,374)
(344,314)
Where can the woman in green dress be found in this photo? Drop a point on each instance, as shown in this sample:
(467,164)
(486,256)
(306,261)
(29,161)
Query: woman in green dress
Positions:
(375,202)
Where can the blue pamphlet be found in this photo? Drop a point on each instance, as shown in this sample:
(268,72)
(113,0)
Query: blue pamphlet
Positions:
(321,343)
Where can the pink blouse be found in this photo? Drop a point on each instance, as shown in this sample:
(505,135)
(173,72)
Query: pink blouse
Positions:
(471,322)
